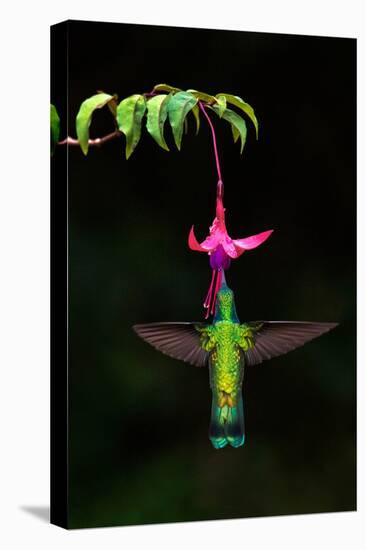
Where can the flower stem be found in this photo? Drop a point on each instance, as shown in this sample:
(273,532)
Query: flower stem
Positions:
(220,183)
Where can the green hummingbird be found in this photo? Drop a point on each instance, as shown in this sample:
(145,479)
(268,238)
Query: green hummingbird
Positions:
(227,347)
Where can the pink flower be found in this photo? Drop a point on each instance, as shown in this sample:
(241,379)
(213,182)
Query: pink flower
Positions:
(222,249)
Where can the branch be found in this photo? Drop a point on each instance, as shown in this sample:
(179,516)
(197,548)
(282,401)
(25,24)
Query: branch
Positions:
(97,142)
(92,142)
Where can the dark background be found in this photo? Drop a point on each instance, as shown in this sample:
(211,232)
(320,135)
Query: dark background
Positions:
(139,451)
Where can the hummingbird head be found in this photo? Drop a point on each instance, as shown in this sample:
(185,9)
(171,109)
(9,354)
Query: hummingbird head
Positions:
(225,303)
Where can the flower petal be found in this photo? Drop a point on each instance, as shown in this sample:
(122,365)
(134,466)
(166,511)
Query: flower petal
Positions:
(212,241)
(229,247)
(251,242)
(219,259)
(193,243)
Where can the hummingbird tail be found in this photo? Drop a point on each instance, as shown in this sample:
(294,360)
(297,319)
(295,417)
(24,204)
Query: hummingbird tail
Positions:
(227,424)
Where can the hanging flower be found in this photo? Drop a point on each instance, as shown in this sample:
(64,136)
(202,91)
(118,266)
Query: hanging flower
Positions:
(222,249)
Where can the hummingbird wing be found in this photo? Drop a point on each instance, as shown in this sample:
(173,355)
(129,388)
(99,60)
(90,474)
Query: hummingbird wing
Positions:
(274,338)
(178,340)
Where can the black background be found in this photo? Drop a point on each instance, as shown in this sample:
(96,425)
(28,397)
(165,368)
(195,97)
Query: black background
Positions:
(139,451)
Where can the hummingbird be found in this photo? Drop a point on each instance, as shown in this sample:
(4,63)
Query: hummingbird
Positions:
(227,346)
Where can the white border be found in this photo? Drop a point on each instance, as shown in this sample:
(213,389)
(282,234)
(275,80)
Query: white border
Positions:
(24,272)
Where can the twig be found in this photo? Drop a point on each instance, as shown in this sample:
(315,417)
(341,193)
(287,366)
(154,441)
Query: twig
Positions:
(92,142)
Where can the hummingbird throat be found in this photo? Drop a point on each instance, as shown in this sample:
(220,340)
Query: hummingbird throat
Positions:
(225,305)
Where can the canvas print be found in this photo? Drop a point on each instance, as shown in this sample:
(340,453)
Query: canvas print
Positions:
(151,163)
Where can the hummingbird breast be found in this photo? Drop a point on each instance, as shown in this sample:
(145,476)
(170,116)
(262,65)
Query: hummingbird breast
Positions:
(226,364)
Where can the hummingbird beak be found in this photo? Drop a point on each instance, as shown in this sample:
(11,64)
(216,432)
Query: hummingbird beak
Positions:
(223,279)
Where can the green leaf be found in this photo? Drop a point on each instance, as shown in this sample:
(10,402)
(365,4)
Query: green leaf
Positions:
(157,112)
(235,132)
(241,104)
(129,116)
(185,126)
(196,114)
(84,117)
(179,106)
(221,103)
(239,128)
(207,98)
(112,104)
(165,88)
(55,127)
